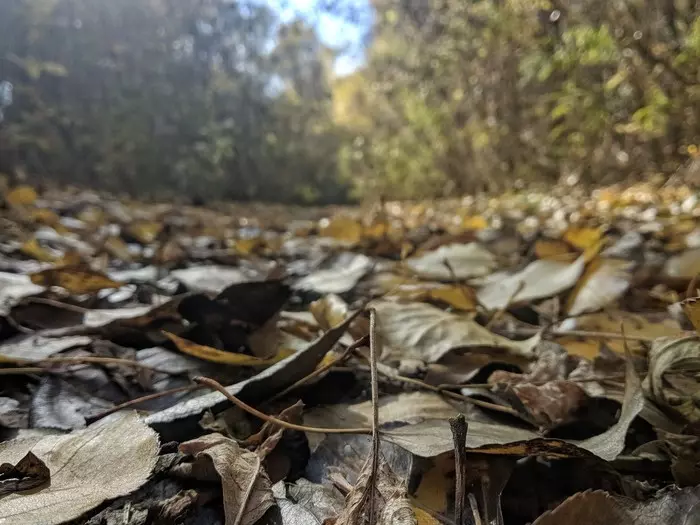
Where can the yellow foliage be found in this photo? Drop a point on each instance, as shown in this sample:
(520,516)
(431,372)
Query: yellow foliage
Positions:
(343,229)
(21,196)
(75,279)
(33,249)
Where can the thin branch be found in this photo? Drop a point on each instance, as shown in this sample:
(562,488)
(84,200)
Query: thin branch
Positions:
(215,385)
(142,399)
(581,333)
(375,410)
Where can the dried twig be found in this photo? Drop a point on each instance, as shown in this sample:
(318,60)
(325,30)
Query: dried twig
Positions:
(142,399)
(215,385)
(459,428)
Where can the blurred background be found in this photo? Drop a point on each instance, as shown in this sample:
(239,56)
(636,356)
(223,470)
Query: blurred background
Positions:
(313,101)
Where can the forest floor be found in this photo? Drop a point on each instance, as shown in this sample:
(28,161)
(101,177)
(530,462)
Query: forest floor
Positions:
(525,358)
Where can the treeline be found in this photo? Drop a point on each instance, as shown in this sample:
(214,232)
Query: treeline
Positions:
(220,99)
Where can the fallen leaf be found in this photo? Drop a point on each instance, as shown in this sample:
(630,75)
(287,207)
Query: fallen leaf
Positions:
(303,503)
(245,486)
(672,381)
(602,283)
(29,473)
(421,331)
(344,229)
(21,196)
(670,507)
(683,266)
(466,260)
(434,437)
(220,356)
(210,279)
(554,250)
(583,238)
(35,347)
(104,461)
(33,249)
(341,276)
(540,279)
(75,279)
(277,377)
(13,288)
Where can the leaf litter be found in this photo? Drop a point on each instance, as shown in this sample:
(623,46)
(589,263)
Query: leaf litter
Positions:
(422,365)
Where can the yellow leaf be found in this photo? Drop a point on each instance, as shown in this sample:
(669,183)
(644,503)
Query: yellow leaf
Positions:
(92,215)
(21,195)
(144,231)
(220,356)
(583,238)
(461,298)
(476,222)
(248,246)
(75,279)
(70,258)
(342,229)
(33,249)
(554,250)
(423,518)
(44,216)
(117,248)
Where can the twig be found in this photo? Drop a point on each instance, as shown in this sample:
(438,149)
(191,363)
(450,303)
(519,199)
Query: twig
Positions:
(98,360)
(582,333)
(497,315)
(215,385)
(57,304)
(23,370)
(320,370)
(475,509)
(453,395)
(149,397)
(459,427)
(375,411)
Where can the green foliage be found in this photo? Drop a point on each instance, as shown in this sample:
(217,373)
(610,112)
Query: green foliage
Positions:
(209,99)
(475,95)
(220,99)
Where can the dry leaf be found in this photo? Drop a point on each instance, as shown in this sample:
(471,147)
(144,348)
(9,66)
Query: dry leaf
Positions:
(670,507)
(75,279)
(221,356)
(210,279)
(33,249)
(421,331)
(104,461)
(340,277)
(29,473)
(602,283)
(672,380)
(465,260)
(540,279)
(21,196)
(245,486)
(344,229)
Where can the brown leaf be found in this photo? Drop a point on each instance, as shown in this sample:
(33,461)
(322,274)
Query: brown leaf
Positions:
(29,472)
(670,507)
(245,486)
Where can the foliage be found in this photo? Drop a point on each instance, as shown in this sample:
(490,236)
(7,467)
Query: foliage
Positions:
(208,99)
(216,99)
(476,95)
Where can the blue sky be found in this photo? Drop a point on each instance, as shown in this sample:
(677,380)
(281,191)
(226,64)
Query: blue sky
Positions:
(334,31)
